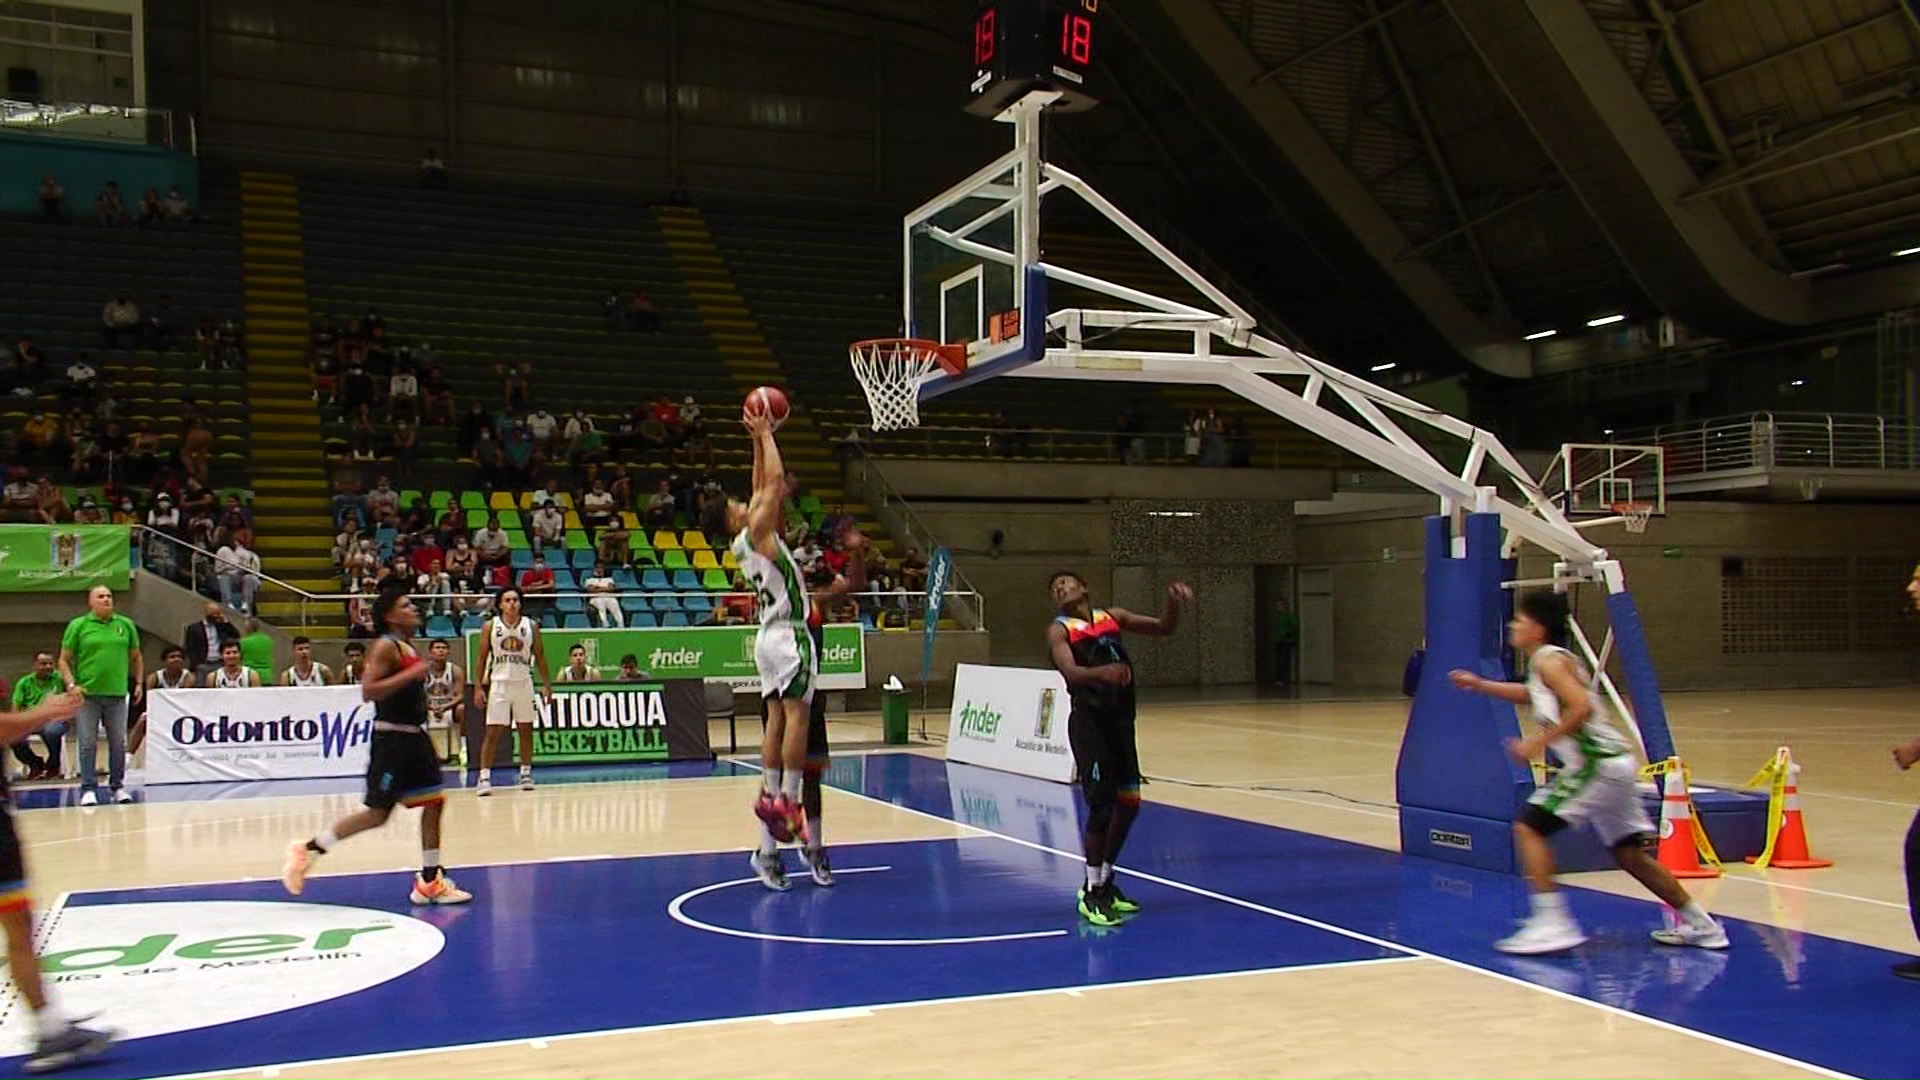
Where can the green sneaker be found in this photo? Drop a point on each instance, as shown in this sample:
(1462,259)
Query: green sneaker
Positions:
(1121,903)
(1097,908)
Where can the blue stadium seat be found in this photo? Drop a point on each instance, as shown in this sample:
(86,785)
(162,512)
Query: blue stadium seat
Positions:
(439,626)
(583,559)
(654,580)
(563,581)
(674,618)
(471,622)
(623,579)
(642,620)
(687,581)
(665,603)
(522,560)
(631,604)
(577,622)
(549,622)
(570,605)
(697,603)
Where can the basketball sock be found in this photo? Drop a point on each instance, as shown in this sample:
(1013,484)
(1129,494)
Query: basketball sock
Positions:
(768,846)
(1106,873)
(1093,877)
(1550,905)
(814,840)
(790,784)
(323,841)
(429,863)
(773,778)
(1695,914)
(48,1020)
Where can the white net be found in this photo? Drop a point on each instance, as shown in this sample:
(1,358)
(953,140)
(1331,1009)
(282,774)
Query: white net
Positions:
(1635,516)
(890,371)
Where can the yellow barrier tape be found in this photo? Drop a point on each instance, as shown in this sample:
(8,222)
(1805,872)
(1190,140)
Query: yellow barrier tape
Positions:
(1700,842)
(1774,776)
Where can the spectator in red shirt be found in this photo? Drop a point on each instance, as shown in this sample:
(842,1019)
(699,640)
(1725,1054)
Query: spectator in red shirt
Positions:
(425,555)
(835,558)
(536,587)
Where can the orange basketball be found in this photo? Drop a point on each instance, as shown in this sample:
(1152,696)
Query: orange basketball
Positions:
(770,401)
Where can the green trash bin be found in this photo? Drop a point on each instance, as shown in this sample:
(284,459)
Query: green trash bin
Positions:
(895,707)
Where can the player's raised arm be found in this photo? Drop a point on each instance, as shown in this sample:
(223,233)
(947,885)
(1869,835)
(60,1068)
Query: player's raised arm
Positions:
(769,480)
(1134,623)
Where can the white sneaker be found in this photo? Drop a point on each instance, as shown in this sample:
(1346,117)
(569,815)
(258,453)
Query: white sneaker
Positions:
(1537,937)
(123,796)
(526,779)
(88,798)
(1711,935)
(484,787)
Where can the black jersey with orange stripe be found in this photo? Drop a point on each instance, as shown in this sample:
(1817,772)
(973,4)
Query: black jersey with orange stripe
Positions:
(1096,642)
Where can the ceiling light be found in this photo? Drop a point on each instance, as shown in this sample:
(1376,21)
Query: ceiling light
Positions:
(1538,334)
(1388,366)
(1908,251)
(1606,320)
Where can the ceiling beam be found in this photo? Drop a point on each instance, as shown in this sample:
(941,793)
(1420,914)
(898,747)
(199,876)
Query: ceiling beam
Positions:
(1795,50)
(1314,50)
(1429,243)
(1748,176)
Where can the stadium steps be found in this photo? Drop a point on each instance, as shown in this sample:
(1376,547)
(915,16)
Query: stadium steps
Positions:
(751,362)
(292,504)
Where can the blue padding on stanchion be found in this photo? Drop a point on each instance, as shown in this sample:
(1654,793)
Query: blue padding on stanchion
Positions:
(1454,768)
(1643,686)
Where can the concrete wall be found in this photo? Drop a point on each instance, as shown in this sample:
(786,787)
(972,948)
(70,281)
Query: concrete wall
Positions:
(1814,599)
(992,480)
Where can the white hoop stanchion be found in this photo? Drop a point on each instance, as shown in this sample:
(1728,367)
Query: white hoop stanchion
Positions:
(891,371)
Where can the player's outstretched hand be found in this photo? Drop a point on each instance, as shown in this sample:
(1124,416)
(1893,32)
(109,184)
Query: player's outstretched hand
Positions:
(757,423)
(1907,756)
(1463,679)
(1180,592)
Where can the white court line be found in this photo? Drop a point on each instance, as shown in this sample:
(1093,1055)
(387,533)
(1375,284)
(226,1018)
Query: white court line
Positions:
(676,908)
(771,1018)
(1770,883)
(1396,946)
(1281,797)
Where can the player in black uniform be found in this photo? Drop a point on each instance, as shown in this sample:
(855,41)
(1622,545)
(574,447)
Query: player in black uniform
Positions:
(402,768)
(1086,647)
(814,851)
(60,1042)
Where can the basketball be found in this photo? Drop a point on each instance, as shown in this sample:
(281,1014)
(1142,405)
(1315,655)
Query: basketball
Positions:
(770,401)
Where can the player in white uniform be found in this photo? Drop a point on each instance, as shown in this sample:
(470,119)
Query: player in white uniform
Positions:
(446,699)
(231,674)
(782,651)
(1596,785)
(510,652)
(304,671)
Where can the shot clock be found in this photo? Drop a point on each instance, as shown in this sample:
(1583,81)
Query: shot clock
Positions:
(1020,46)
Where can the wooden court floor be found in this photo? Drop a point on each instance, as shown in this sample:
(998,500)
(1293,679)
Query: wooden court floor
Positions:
(1323,768)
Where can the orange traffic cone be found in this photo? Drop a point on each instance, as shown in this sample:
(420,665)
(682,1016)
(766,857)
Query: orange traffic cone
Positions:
(1679,851)
(1790,851)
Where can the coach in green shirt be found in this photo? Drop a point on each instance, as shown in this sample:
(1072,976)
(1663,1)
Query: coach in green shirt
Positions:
(29,692)
(100,659)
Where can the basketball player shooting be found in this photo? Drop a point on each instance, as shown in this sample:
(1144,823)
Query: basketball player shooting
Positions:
(783,649)
(1087,650)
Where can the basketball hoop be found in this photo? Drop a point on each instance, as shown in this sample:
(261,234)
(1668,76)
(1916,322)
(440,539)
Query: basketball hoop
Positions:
(891,370)
(1634,515)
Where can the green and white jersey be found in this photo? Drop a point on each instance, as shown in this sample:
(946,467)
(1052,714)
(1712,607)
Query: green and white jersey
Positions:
(780,588)
(1597,739)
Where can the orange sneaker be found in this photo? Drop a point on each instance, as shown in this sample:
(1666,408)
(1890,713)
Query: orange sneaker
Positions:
(299,861)
(441,890)
(794,817)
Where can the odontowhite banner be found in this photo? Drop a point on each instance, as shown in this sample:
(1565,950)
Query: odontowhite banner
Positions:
(273,733)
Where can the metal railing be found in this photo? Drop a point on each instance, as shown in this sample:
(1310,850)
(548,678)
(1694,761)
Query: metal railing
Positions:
(93,120)
(889,503)
(1783,440)
(196,568)
(1118,447)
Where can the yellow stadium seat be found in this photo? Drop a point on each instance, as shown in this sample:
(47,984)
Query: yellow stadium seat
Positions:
(729,562)
(703,560)
(664,540)
(695,540)
(501,500)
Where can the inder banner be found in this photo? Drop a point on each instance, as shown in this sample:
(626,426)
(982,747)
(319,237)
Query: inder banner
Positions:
(715,653)
(273,733)
(63,558)
(1011,718)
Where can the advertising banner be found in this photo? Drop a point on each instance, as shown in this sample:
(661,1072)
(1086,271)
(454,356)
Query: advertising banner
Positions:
(722,653)
(1011,718)
(63,558)
(610,723)
(273,733)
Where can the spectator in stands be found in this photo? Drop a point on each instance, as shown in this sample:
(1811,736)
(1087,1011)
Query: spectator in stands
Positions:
(356,384)
(437,586)
(436,393)
(200,533)
(53,502)
(620,483)
(1213,445)
(238,569)
(53,201)
(397,569)
(656,438)
(230,350)
(383,503)
(418,518)
(1191,431)
(537,588)
(86,459)
(913,571)
(713,512)
(472,424)
(349,498)
(196,447)
(642,314)
(362,435)
(424,555)
(108,208)
(151,212)
(360,611)
(491,544)
(551,494)
(406,447)
(545,428)
(577,425)
(615,543)
(379,354)
(453,522)
(516,388)
(235,523)
(196,498)
(693,436)
(403,393)
(660,507)
(630,670)
(463,562)
(20,501)
(81,382)
(807,555)
(602,597)
(89,512)
(549,527)
(143,451)
(487,461)
(203,639)
(124,513)
(597,508)
(520,456)
(120,322)
(587,450)
(433,171)
(175,204)
(362,559)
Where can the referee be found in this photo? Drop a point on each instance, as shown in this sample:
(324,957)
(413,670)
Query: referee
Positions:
(99,659)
